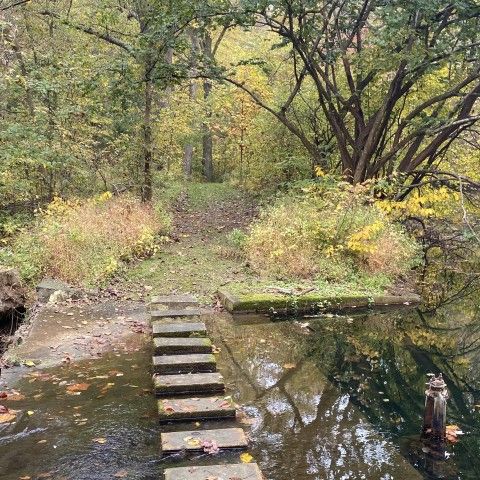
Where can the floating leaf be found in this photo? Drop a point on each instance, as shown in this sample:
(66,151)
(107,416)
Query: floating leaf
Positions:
(7,415)
(246,457)
(78,387)
(452,432)
(121,474)
(100,440)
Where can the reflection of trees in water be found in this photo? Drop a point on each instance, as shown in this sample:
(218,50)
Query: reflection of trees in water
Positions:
(388,385)
(306,414)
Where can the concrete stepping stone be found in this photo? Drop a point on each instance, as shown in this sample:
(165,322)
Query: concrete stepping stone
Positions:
(184,409)
(187,312)
(188,383)
(199,362)
(196,440)
(240,471)
(179,329)
(174,301)
(175,345)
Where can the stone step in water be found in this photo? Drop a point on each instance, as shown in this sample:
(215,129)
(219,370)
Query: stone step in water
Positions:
(241,471)
(172,313)
(196,440)
(175,345)
(173,301)
(200,362)
(189,329)
(185,409)
(188,383)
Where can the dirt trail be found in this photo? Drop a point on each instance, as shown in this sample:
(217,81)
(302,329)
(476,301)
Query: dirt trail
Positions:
(199,258)
(218,216)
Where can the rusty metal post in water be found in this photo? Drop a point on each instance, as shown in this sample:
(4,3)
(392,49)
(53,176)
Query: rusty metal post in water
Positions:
(435,416)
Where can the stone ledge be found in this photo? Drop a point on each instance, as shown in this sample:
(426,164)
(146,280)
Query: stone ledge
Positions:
(310,303)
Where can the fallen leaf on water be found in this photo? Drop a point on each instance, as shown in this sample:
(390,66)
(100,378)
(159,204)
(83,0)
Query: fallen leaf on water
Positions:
(29,363)
(100,440)
(452,433)
(25,478)
(45,475)
(30,412)
(289,365)
(78,387)
(246,458)
(15,397)
(7,415)
(121,474)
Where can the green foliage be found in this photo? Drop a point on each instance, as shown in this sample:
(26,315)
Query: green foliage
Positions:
(338,235)
(237,239)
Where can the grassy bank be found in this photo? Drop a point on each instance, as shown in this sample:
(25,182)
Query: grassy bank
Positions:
(220,240)
(85,242)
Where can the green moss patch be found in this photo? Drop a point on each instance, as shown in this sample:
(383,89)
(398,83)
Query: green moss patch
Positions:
(308,303)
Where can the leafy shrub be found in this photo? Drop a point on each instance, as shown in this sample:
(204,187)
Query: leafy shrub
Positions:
(237,238)
(331,232)
(85,242)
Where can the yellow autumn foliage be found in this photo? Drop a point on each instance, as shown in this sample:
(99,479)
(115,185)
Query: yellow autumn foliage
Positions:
(428,202)
(76,240)
(329,233)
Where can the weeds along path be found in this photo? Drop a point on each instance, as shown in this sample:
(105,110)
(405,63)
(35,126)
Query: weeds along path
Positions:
(199,258)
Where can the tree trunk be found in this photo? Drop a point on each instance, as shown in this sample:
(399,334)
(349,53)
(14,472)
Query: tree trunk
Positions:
(146,193)
(192,93)
(187,160)
(207,140)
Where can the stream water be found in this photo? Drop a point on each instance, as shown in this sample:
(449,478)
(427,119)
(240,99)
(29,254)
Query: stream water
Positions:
(341,398)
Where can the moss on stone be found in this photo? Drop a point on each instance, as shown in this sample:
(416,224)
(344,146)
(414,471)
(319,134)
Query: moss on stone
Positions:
(308,303)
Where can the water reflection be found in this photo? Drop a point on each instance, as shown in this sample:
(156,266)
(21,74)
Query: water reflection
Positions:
(342,402)
(347,400)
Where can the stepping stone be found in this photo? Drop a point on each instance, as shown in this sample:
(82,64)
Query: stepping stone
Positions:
(200,362)
(194,440)
(190,312)
(179,329)
(195,408)
(188,383)
(240,471)
(174,345)
(174,301)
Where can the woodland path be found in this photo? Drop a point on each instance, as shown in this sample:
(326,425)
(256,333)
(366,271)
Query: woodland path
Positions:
(198,258)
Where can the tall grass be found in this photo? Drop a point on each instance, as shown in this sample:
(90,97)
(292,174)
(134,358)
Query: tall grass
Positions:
(85,242)
(335,235)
